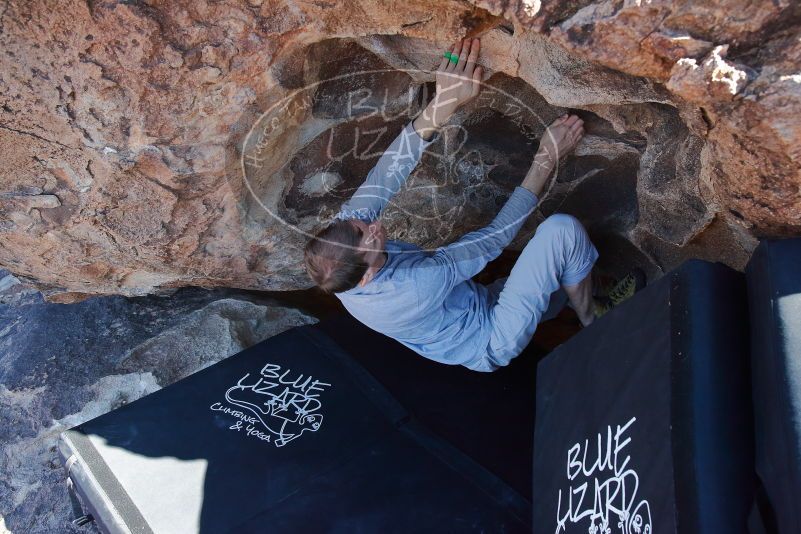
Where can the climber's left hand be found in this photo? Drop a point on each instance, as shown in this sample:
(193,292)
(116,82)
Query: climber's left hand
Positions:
(457,83)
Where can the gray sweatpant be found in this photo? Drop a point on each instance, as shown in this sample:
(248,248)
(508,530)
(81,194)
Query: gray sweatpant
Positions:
(560,254)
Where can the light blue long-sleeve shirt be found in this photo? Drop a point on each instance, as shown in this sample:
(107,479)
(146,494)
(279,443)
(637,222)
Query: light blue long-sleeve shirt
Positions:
(427,300)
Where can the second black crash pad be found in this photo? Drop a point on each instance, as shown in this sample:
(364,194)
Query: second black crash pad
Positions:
(291,435)
(643,419)
(774,298)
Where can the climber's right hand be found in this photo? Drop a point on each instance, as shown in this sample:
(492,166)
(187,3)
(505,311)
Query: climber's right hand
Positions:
(560,138)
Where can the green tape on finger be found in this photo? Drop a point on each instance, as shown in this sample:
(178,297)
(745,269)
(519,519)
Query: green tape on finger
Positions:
(452,57)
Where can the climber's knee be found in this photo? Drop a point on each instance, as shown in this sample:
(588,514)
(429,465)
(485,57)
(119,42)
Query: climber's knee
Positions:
(559,223)
(566,242)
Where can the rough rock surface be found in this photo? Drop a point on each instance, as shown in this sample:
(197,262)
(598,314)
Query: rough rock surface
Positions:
(151,145)
(61,365)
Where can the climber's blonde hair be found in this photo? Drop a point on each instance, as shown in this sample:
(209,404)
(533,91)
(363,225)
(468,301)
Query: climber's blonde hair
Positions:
(332,258)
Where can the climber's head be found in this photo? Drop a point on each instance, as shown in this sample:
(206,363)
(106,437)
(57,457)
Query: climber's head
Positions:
(345,254)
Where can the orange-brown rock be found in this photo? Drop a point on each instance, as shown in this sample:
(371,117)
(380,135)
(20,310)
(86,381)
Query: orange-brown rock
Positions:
(140,151)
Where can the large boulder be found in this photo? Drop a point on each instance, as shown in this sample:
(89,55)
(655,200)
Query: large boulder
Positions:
(156,145)
(61,365)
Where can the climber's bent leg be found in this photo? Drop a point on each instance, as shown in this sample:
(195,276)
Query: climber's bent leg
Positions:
(580,296)
(559,254)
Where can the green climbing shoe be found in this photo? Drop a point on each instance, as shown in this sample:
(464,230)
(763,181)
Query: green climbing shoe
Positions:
(602,284)
(622,290)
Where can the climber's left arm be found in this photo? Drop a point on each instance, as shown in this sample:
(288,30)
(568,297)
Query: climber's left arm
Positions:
(388,175)
(457,83)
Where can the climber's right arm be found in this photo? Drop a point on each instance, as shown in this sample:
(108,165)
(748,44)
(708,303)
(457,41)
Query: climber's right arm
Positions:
(559,139)
(466,257)
(463,259)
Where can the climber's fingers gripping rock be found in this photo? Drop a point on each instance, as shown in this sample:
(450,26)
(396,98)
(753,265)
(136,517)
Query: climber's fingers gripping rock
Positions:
(458,83)
(561,137)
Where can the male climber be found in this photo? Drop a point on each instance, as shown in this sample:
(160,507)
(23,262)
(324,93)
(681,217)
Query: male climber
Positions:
(427,301)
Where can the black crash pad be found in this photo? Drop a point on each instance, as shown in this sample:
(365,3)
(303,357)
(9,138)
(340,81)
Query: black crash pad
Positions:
(643,419)
(487,416)
(331,451)
(774,298)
